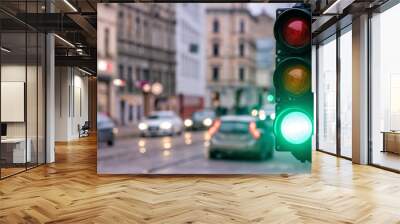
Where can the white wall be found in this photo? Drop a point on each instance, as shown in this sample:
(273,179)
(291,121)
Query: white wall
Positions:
(16,73)
(71,102)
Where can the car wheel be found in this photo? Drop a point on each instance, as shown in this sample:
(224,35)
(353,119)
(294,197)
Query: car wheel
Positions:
(271,153)
(110,142)
(212,155)
(263,155)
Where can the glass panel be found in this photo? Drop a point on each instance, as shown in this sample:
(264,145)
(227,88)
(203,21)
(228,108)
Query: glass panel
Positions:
(13,86)
(32,88)
(41,99)
(327,96)
(346,94)
(31,97)
(385,84)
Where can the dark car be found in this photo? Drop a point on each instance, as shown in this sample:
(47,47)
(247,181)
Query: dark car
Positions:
(200,120)
(239,137)
(105,129)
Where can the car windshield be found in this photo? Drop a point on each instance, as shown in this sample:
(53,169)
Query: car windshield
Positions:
(203,114)
(234,127)
(159,116)
(153,117)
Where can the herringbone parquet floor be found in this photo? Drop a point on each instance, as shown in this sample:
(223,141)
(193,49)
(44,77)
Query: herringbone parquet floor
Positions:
(70,191)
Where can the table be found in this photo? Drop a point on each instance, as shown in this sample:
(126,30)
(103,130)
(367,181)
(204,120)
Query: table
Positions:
(16,147)
(391,141)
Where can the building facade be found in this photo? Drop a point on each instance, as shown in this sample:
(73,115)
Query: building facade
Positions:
(145,44)
(231,52)
(265,50)
(190,57)
(107,56)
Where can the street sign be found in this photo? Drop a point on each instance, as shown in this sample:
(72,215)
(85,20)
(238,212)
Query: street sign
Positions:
(293,125)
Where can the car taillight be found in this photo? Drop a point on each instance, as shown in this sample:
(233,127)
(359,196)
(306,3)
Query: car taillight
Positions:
(253,130)
(214,128)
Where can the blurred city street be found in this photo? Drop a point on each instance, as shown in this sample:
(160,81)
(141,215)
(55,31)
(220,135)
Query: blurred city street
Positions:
(185,72)
(185,154)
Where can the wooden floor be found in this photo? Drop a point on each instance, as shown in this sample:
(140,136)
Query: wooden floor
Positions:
(70,191)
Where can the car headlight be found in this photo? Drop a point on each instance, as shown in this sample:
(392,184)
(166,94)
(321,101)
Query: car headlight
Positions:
(143,126)
(254,113)
(165,125)
(207,122)
(262,115)
(188,123)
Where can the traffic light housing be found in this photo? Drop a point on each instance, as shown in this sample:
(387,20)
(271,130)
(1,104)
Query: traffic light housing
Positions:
(293,125)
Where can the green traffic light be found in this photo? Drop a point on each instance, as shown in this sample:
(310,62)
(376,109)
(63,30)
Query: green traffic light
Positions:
(296,127)
(270,98)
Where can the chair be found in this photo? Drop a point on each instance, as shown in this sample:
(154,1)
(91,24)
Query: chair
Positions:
(84,130)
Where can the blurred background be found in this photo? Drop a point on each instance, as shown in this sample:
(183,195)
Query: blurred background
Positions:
(187,88)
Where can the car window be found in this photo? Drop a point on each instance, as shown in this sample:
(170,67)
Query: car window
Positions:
(234,126)
(160,116)
(167,116)
(203,114)
(153,117)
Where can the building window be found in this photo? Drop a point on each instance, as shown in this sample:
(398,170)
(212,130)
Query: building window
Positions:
(215,49)
(385,89)
(241,49)
(215,26)
(138,75)
(137,25)
(129,25)
(107,42)
(146,74)
(242,26)
(215,74)
(130,79)
(193,48)
(121,71)
(346,94)
(327,96)
(130,113)
(122,104)
(139,112)
(241,74)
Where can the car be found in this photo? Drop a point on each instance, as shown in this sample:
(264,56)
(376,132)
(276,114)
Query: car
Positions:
(161,123)
(106,129)
(200,120)
(238,136)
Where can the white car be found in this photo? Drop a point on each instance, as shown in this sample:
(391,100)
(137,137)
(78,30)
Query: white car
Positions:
(161,123)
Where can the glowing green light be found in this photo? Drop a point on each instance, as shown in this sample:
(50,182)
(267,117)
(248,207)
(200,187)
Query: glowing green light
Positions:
(270,98)
(296,127)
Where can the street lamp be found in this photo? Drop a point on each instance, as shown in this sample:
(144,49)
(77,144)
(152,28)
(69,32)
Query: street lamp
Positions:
(119,82)
(157,88)
(146,88)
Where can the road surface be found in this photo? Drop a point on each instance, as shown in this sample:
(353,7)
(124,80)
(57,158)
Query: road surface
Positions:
(184,154)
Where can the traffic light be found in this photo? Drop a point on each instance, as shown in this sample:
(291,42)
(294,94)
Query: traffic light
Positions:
(293,125)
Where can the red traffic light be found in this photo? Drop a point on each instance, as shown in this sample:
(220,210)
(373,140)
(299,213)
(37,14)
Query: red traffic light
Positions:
(296,32)
(292,30)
